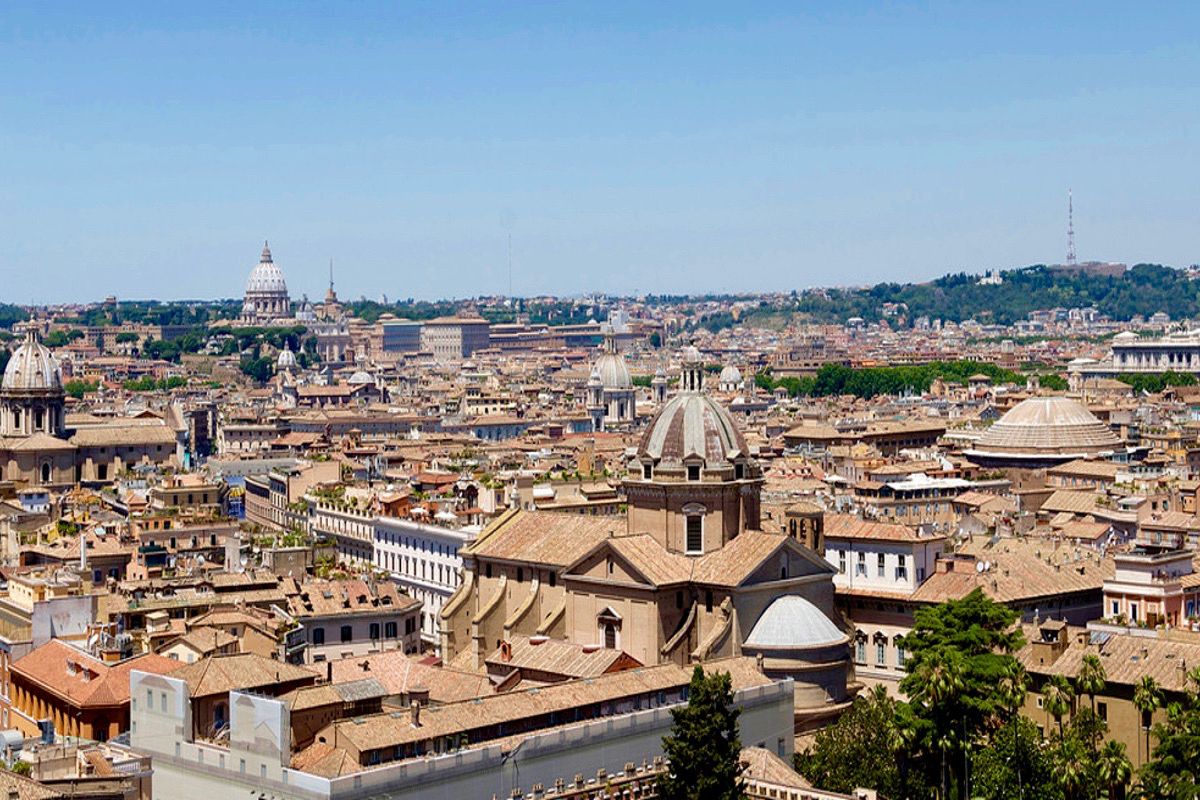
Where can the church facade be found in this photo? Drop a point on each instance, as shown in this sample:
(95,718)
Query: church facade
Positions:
(686,577)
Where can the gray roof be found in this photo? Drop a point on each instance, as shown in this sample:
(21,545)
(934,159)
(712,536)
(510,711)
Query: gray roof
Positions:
(794,623)
(692,424)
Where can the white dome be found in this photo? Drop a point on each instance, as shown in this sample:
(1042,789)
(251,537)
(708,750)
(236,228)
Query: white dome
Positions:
(613,372)
(731,374)
(792,622)
(32,366)
(688,424)
(1048,425)
(266,278)
(1126,336)
(286,360)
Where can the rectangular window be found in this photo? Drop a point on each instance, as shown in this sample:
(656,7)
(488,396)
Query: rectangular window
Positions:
(390,630)
(860,652)
(880,653)
(347,633)
(881,566)
(861,567)
(1102,711)
(374,629)
(842,561)
(901,657)
(647,471)
(695,534)
(693,472)
(318,636)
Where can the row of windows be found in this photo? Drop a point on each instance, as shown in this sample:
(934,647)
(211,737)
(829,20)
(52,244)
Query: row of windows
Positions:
(880,648)
(900,573)
(346,632)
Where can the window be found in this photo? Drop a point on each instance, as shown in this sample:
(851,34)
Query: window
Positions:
(374,630)
(902,567)
(695,534)
(861,567)
(610,636)
(708,600)
(1116,608)
(553,579)
(901,656)
(389,630)
(693,472)
(647,471)
(860,651)
(1133,612)
(881,568)
(880,653)
(842,561)
(347,633)
(1102,711)
(739,472)
(318,636)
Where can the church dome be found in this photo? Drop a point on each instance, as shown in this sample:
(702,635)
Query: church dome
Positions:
(613,372)
(793,623)
(32,367)
(731,378)
(689,424)
(1047,426)
(286,359)
(266,278)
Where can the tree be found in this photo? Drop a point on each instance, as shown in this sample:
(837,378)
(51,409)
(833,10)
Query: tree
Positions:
(959,653)
(864,748)
(1174,770)
(1114,769)
(1071,767)
(703,746)
(1091,678)
(1147,698)
(1057,696)
(1014,765)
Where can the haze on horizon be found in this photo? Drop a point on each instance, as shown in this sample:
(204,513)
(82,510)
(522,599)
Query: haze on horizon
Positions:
(147,150)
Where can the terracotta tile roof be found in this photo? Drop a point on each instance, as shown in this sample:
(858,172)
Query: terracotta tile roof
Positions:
(848,526)
(331,598)
(560,657)
(84,681)
(218,675)
(543,537)
(400,673)
(1020,570)
(1122,655)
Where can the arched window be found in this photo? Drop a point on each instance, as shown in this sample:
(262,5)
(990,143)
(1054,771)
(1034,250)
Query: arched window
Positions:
(46,472)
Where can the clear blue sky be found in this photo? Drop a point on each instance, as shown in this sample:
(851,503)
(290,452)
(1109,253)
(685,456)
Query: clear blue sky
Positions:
(147,150)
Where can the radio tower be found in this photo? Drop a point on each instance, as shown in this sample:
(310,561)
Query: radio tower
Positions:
(1070,231)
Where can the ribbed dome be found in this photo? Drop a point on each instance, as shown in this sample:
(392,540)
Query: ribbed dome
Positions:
(692,423)
(266,278)
(1048,425)
(791,622)
(730,374)
(613,372)
(32,366)
(286,359)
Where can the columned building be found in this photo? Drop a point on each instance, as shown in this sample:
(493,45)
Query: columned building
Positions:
(611,397)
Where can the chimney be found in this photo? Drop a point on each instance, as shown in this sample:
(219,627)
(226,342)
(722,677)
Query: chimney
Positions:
(415,707)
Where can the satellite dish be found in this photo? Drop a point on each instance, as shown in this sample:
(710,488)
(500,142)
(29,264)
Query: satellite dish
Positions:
(979,566)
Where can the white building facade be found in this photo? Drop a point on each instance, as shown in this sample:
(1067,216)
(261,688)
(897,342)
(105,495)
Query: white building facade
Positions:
(425,561)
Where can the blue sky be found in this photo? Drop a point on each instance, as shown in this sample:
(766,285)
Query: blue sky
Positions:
(147,150)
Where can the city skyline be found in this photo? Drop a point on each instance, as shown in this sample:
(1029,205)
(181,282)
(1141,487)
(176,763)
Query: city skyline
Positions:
(149,152)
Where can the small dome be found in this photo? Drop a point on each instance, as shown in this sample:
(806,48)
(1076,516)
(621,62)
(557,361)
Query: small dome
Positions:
(1126,336)
(32,366)
(360,377)
(692,423)
(286,359)
(691,355)
(730,374)
(792,623)
(1047,425)
(266,278)
(613,372)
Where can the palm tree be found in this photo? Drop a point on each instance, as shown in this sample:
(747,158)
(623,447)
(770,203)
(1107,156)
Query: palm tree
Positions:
(1071,767)
(1057,696)
(1147,698)
(941,681)
(1091,677)
(1012,691)
(1114,769)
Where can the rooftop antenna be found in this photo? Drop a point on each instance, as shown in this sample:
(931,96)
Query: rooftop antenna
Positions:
(1070,231)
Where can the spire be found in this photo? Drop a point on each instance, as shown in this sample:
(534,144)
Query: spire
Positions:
(265,258)
(1070,231)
